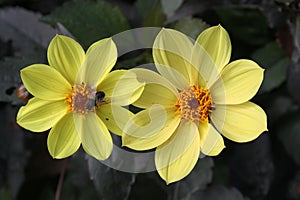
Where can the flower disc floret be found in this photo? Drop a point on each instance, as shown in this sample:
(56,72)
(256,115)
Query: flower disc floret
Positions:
(194,104)
(82,99)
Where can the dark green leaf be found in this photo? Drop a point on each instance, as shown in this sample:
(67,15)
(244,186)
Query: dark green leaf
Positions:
(293,81)
(198,179)
(288,133)
(151,12)
(251,167)
(170,7)
(217,193)
(248,25)
(285,1)
(190,26)
(89,21)
(277,106)
(144,7)
(5,194)
(297,33)
(156,17)
(272,58)
(110,184)
(77,179)
(275,76)
(13,156)
(25,30)
(10,78)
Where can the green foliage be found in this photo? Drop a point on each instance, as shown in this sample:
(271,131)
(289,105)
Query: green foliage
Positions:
(10,79)
(106,178)
(288,133)
(197,180)
(88,20)
(5,195)
(272,58)
(218,193)
(248,24)
(190,26)
(151,12)
(77,179)
(170,8)
(13,156)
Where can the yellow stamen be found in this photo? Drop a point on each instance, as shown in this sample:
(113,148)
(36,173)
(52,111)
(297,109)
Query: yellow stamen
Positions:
(194,104)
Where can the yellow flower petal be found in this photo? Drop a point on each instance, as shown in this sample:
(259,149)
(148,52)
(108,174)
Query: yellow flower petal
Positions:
(121,87)
(241,79)
(215,40)
(148,76)
(176,158)
(40,115)
(114,117)
(155,94)
(207,72)
(94,135)
(175,77)
(241,123)
(66,56)
(211,141)
(100,59)
(150,128)
(172,55)
(63,139)
(45,82)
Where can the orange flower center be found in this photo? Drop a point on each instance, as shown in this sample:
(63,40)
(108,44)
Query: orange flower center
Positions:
(194,104)
(82,99)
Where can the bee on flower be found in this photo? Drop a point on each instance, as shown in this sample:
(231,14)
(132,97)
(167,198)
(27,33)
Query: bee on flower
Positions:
(197,96)
(72,96)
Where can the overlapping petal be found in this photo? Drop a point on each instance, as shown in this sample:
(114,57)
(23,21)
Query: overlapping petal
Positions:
(150,128)
(242,122)
(148,76)
(45,82)
(63,139)
(100,59)
(114,117)
(211,141)
(215,40)
(66,56)
(172,55)
(207,71)
(177,157)
(121,87)
(40,115)
(94,135)
(156,94)
(240,79)
(174,76)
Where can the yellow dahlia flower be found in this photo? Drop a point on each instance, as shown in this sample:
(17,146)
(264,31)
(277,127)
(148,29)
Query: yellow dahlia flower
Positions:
(73,97)
(197,97)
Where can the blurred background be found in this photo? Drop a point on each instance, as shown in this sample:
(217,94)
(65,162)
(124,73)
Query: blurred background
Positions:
(266,31)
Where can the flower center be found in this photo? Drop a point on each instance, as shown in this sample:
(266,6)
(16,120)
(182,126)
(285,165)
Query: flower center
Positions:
(194,104)
(82,99)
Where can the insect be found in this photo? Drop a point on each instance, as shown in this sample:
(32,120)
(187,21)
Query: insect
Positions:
(23,94)
(99,96)
(98,100)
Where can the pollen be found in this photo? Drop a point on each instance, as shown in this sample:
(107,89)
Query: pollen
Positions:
(194,104)
(82,99)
